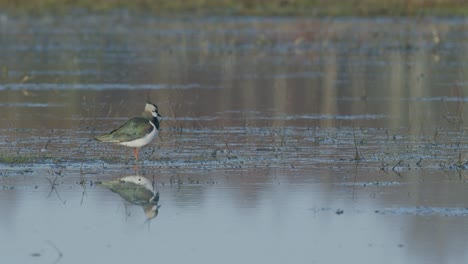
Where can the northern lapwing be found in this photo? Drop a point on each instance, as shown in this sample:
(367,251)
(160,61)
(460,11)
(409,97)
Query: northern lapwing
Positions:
(136,132)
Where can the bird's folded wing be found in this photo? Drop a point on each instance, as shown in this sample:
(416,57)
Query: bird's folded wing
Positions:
(134,128)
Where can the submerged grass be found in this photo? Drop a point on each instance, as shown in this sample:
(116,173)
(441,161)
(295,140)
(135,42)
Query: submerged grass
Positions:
(250,7)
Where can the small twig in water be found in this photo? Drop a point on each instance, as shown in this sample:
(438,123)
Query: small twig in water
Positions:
(53,187)
(356,154)
(83,184)
(419,162)
(394,169)
(59,253)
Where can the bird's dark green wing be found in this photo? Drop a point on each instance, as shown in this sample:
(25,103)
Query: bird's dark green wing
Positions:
(134,128)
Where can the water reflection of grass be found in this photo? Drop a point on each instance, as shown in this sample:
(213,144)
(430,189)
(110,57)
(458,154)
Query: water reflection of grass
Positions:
(251,7)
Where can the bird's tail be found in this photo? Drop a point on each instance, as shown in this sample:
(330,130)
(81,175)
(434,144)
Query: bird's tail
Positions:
(105,138)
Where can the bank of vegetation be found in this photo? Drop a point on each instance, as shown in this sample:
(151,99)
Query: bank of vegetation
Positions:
(248,7)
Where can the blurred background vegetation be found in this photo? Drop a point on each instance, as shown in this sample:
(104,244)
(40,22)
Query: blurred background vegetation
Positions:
(249,7)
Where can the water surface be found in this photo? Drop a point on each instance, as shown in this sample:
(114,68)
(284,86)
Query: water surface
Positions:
(284,140)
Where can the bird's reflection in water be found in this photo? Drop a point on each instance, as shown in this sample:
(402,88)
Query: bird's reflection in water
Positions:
(136,190)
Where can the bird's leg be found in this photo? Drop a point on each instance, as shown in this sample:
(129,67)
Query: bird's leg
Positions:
(135,152)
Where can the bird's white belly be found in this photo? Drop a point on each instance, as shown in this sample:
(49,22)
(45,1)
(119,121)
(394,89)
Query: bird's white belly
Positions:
(138,143)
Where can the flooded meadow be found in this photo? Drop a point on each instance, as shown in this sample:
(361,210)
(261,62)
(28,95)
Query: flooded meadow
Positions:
(283,140)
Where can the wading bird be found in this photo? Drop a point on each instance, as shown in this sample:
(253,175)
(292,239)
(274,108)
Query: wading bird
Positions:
(136,132)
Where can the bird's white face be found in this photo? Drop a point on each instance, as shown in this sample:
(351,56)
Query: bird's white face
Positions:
(153,109)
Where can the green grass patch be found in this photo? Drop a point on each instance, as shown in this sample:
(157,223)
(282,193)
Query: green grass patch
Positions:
(23,159)
(18,159)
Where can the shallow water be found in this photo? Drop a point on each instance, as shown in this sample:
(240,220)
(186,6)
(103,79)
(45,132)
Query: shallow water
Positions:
(284,140)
